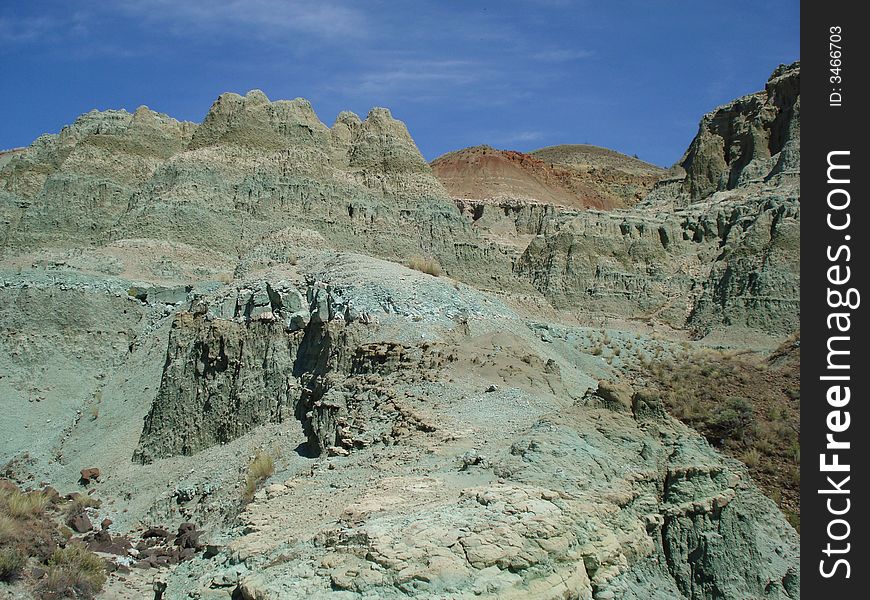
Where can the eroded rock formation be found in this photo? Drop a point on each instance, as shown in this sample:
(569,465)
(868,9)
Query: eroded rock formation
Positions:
(713,250)
(250,170)
(231,294)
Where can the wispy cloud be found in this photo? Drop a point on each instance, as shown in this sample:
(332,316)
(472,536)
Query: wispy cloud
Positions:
(511,140)
(506,139)
(252,17)
(524,136)
(473,82)
(414,76)
(25,30)
(561,55)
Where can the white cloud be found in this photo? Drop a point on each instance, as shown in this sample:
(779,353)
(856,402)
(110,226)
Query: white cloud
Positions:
(562,55)
(19,31)
(409,75)
(504,139)
(258,18)
(525,136)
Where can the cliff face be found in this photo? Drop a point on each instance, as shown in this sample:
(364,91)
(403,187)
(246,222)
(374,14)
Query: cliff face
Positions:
(509,197)
(714,250)
(751,140)
(726,264)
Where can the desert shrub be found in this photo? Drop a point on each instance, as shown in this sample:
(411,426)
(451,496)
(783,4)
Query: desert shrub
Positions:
(259,470)
(73,572)
(25,524)
(425,265)
(12,563)
(733,420)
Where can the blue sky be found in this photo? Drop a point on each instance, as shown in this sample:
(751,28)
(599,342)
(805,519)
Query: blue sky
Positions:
(635,76)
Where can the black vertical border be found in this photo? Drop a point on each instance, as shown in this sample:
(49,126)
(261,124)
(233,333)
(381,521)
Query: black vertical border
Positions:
(824,129)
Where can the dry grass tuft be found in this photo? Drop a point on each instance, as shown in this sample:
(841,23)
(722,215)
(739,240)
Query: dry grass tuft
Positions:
(12,563)
(26,526)
(427,265)
(259,470)
(29,534)
(21,505)
(10,530)
(73,572)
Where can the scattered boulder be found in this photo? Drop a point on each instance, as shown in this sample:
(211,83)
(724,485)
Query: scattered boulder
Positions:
(319,304)
(139,293)
(102,541)
(171,295)
(199,307)
(646,404)
(188,536)
(155,532)
(80,523)
(298,320)
(51,493)
(89,475)
(473,458)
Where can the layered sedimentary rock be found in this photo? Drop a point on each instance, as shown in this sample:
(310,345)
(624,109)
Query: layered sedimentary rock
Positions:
(485,173)
(729,262)
(511,196)
(753,139)
(433,482)
(715,249)
(282,351)
(251,169)
(623,179)
(255,356)
(566,176)
(429,438)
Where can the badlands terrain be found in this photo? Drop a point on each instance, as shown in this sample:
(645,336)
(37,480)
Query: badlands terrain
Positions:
(259,357)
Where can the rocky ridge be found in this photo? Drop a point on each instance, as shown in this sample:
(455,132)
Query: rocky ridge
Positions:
(261,166)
